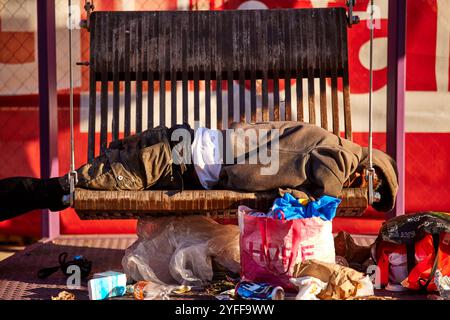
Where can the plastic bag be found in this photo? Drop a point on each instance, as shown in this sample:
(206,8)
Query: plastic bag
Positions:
(179,250)
(289,208)
(365,287)
(398,268)
(270,248)
(423,240)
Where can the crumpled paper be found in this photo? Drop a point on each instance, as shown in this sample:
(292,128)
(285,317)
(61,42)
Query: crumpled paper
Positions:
(342,282)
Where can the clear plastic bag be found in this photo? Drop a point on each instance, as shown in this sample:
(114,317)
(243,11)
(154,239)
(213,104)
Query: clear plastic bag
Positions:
(179,250)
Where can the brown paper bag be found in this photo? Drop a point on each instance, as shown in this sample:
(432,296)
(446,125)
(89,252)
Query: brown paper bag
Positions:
(343,282)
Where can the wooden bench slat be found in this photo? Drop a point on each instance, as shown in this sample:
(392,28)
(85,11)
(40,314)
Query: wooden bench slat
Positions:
(323,67)
(116,82)
(334,66)
(219,102)
(230,98)
(127,93)
(132,204)
(138,53)
(208,99)
(150,100)
(311,96)
(260,49)
(287,64)
(104,35)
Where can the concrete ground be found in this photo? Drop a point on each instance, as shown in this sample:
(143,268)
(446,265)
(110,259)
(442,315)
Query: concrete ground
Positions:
(7,251)
(9,245)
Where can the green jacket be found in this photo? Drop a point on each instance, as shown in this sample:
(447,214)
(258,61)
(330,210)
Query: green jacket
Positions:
(137,162)
(311,160)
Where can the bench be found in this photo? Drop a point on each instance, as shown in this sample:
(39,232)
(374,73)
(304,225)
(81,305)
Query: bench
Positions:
(248,55)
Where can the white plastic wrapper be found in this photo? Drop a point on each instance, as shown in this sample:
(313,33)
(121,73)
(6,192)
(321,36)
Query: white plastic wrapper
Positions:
(365,287)
(443,285)
(308,287)
(179,250)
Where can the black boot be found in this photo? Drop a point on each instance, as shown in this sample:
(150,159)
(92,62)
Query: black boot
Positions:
(20,195)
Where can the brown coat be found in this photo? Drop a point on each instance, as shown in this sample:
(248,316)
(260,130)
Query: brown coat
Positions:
(311,160)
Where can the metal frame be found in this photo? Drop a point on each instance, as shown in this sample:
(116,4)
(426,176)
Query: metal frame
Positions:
(48,106)
(48,100)
(395,134)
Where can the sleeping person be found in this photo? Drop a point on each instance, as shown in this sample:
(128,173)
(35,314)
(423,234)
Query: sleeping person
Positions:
(297,157)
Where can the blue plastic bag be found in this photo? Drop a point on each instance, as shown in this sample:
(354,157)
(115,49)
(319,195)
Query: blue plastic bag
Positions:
(289,208)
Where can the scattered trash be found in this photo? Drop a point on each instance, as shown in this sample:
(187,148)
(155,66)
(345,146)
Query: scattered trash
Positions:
(220,286)
(107,285)
(308,287)
(129,292)
(147,290)
(227,295)
(443,285)
(264,244)
(341,282)
(182,290)
(64,295)
(84,265)
(180,250)
(258,291)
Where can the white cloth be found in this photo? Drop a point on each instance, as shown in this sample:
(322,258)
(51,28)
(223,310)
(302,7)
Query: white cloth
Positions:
(206,155)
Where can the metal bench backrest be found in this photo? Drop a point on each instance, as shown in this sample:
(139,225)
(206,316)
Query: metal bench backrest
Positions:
(253,49)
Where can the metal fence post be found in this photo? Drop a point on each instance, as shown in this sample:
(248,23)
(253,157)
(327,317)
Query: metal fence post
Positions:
(396,88)
(48,107)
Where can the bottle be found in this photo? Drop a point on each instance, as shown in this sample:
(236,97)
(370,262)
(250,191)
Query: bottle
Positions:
(147,290)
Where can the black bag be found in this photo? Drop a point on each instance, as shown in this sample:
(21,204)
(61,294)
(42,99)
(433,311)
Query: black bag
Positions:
(408,229)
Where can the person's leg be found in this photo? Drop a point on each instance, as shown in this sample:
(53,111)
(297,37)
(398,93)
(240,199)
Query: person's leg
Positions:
(134,163)
(19,195)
